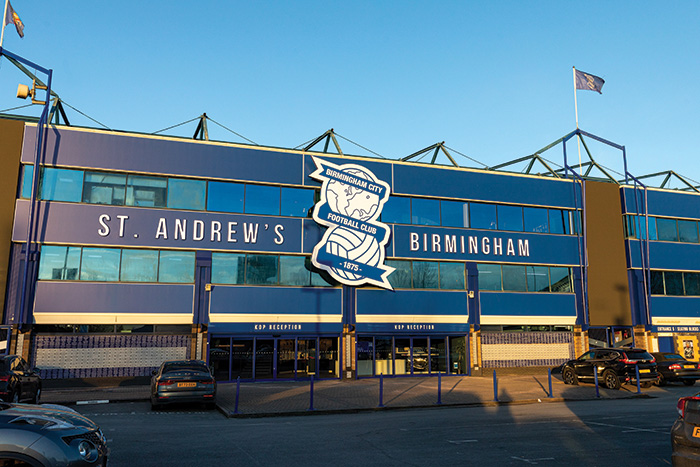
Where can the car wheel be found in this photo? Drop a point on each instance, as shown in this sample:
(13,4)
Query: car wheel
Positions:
(15,397)
(661,381)
(569,376)
(689,382)
(610,380)
(646,384)
(37,395)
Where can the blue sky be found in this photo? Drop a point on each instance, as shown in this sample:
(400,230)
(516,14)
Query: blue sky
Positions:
(491,79)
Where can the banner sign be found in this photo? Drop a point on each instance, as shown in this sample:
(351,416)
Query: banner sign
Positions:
(352,248)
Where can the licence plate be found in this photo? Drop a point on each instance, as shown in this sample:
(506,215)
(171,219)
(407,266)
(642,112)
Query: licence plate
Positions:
(645,371)
(696,432)
(688,366)
(187,385)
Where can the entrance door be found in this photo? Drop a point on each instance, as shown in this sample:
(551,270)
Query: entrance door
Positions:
(306,357)
(264,358)
(285,358)
(421,355)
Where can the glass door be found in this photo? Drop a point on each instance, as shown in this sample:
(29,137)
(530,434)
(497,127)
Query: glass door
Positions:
(421,356)
(264,358)
(285,358)
(306,357)
(438,355)
(242,358)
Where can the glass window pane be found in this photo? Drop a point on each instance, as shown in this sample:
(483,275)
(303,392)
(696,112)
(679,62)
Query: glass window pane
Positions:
(401,277)
(227,268)
(652,227)
(452,276)
(100,264)
(482,216)
(536,220)
(365,356)
(692,283)
(688,231)
(146,191)
(454,213)
(510,218)
(104,188)
(384,356)
(561,280)
(674,283)
(139,266)
(657,283)
(62,184)
(59,263)
(425,211)
(489,276)
(514,278)
(186,194)
(262,199)
(667,230)
(176,266)
(537,278)
(293,271)
(397,210)
(296,202)
(630,230)
(225,197)
(261,270)
(558,221)
(27,174)
(425,275)
(458,355)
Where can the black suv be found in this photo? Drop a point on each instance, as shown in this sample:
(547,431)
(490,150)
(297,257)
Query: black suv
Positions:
(614,366)
(18,381)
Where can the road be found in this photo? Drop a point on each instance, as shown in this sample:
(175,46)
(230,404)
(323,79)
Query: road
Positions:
(625,432)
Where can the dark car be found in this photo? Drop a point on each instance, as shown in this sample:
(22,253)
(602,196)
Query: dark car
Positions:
(685,432)
(18,381)
(614,366)
(673,367)
(48,435)
(183,381)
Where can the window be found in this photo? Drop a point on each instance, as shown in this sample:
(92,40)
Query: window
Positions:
(688,231)
(397,210)
(261,270)
(514,278)
(489,276)
(401,277)
(27,174)
(692,283)
(667,230)
(100,264)
(536,220)
(537,278)
(425,275)
(657,283)
(482,216)
(139,266)
(454,214)
(296,202)
(452,276)
(262,199)
(425,211)
(176,266)
(59,263)
(674,283)
(560,279)
(228,268)
(225,197)
(62,184)
(104,188)
(186,194)
(293,271)
(510,218)
(558,221)
(146,191)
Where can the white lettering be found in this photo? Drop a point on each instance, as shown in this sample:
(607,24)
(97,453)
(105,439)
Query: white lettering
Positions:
(497,246)
(198,230)
(162,229)
(511,248)
(485,245)
(232,232)
(104,231)
(414,242)
(436,243)
(425,242)
(250,233)
(215,231)
(180,227)
(278,231)
(461,240)
(524,247)
(122,221)
(450,244)
(473,245)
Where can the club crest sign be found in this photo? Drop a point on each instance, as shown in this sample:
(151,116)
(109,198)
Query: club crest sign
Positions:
(352,249)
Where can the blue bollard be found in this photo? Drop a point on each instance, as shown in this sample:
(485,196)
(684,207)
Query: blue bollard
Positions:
(439,401)
(549,375)
(636,370)
(311,394)
(238,392)
(495,387)
(381,390)
(595,374)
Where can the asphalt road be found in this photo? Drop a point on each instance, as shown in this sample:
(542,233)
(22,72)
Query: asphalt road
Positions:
(626,432)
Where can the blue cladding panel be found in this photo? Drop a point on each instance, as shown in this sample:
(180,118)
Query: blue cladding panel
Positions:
(408,303)
(311,301)
(464,184)
(668,255)
(80,224)
(77,297)
(153,155)
(541,248)
(527,304)
(675,307)
(665,203)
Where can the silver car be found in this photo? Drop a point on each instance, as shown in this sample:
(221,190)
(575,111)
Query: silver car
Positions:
(47,435)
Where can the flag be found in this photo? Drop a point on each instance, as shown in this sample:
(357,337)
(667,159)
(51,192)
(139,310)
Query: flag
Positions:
(13,18)
(589,82)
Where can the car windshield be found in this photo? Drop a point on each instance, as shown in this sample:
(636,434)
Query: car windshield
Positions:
(178,366)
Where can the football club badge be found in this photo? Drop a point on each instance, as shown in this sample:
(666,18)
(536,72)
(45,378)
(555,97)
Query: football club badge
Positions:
(352,248)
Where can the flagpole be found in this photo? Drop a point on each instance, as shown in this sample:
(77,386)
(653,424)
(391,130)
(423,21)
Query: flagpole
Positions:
(578,137)
(4,15)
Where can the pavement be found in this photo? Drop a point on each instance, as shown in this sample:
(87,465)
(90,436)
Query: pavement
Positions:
(261,399)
